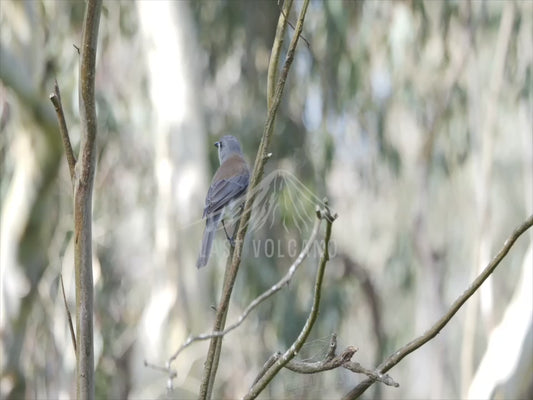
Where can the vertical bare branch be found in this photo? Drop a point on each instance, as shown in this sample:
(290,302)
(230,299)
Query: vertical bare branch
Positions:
(83,188)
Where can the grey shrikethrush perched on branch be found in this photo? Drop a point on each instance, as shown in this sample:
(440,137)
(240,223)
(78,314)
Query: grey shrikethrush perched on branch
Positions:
(229,183)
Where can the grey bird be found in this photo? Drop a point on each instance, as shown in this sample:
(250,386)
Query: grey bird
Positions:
(229,183)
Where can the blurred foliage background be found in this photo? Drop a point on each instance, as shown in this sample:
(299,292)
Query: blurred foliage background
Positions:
(415,120)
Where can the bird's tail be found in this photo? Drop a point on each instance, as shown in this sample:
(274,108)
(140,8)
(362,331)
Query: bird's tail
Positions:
(207,240)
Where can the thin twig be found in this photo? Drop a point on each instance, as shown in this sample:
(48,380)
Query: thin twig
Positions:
(292,26)
(342,360)
(276,52)
(167,370)
(258,300)
(313,314)
(302,367)
(55,98)
(398,355)
(70,325)
(331,361)
(266,366)
(374,375)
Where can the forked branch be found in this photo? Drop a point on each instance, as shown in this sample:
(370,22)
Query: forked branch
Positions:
(82,176)
(257,301)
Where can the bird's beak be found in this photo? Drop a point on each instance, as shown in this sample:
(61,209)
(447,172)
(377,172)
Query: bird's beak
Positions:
(217,144)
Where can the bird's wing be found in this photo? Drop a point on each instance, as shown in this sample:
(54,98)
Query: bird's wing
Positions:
(222,192)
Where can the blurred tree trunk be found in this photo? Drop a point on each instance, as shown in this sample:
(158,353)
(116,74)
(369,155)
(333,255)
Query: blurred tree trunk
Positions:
(173,71)
(29,209)
(484,127)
